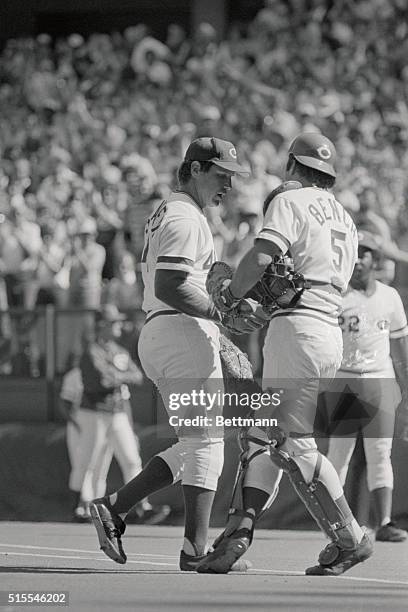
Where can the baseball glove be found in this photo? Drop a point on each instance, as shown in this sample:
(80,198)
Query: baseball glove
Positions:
(217,284)
(286,186)
(236,368)
(238,315)
(280,286)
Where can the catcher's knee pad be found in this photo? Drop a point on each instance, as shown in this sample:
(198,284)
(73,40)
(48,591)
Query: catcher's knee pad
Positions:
(203,462)
(254,469)
(324,500)
(257,470)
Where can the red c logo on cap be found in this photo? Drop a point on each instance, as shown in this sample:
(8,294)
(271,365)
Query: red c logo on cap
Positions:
(233,152)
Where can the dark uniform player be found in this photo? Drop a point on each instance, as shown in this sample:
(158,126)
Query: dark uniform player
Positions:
(107,369)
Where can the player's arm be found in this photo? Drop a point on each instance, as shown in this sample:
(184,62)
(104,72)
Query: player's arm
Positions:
(399,356)
(399,343)
(173,288)
(252,266)
(179,241)
(280,229)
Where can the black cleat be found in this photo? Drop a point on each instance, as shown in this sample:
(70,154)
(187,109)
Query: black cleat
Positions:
(390,533)
(334,561)
(224,557)
(109,527)
(189,563)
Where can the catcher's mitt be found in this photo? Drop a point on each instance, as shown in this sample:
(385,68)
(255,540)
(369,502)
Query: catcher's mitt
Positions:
(217,284)
(238,315)
(286,186)
(280,286)
(236,369)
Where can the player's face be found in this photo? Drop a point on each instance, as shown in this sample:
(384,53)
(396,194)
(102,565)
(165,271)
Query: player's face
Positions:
(212,186)
(363,269)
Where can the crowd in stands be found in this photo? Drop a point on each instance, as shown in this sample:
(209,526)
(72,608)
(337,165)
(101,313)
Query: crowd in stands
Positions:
(92,131)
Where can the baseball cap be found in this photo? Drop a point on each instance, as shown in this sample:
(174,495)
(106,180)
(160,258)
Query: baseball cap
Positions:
(315,151)
(220,152)
(368,240)
(109,313)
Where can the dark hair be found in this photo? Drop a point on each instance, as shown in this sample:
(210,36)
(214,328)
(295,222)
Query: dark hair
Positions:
(184,171)
(320,179)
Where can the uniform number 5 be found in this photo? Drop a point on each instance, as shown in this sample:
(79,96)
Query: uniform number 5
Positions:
(338,242)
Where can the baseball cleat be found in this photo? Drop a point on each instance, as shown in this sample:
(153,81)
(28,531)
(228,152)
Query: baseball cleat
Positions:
(224,557)
(188,563)
(109,527)
(334,561)
(390,533)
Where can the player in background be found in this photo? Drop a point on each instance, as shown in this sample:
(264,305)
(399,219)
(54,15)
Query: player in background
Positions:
(96,400)
(179,347)
(303,346)
(375,337)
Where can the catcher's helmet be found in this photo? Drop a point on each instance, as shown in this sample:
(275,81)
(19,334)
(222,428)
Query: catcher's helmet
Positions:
(315,151)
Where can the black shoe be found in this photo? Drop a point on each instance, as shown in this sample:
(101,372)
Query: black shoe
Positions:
(109,527)
(334,561)
(189,563)
(81,514)
(390,533)
(223,558)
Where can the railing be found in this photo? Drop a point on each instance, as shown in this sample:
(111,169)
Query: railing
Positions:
(38,344)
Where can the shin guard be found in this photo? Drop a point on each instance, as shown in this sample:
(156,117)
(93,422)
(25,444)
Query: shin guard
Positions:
(333,516)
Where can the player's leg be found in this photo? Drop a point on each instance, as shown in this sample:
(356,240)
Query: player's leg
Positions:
(122,439)
(171,349)
(100,473)
(308,469)
(377,446)
(80,443)
(339,454)
(311,473)
(197,369)
(126,450)
(256,486)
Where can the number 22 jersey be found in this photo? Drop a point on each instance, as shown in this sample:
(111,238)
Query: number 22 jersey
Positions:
(368,323)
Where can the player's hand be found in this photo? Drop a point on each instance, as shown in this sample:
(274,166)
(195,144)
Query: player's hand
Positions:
(244,318)
(217,284)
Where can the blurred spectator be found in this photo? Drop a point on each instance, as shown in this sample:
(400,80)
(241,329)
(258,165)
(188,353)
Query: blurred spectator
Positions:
(86,264)
(142,198)
(123,290)
(50,263)
(92,127)
(20,246)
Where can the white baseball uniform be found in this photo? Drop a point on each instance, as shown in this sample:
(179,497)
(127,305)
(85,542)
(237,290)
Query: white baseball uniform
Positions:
(322,240)
(92,444)
(368,323)
(303,345)
(180,353)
